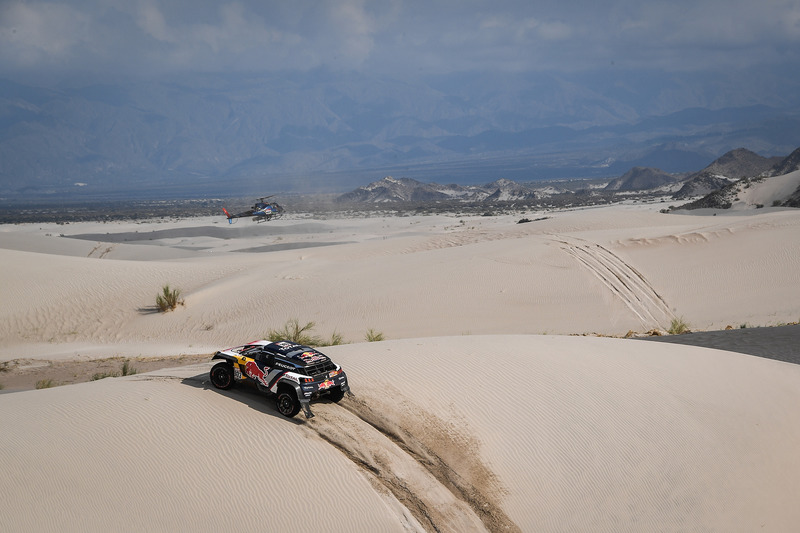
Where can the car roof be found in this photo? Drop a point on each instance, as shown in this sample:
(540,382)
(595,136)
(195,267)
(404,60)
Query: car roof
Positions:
(288,348)
(299,353)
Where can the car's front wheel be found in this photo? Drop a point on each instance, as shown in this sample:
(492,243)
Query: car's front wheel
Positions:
(336,394)
(222,375)
(287,402)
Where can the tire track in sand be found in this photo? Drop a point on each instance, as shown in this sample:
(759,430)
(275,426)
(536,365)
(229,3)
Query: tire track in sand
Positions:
(624,281)
(413,457)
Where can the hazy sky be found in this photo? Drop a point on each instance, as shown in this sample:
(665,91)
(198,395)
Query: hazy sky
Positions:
(403,37)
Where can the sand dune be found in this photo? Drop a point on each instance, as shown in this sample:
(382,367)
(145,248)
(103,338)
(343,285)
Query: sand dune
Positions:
(502,433)
(469,419)
(765,193)
(606,271)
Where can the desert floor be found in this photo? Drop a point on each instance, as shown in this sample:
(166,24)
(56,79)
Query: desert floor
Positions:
(498,402)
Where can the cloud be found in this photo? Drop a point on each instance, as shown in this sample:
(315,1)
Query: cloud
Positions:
(399,36)
(354,28)
(41,34)
(151,20)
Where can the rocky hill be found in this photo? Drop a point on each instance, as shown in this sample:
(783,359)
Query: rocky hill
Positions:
(392,190)
(701,184)
(640,179)
(734,165)
(780,186)
(787,165)
(741,163)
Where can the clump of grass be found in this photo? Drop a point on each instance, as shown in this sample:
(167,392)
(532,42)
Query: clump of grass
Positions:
(45,384)
(678,326)
(127,369)
(373,336)
(336,339)
(293,331)
(169,299)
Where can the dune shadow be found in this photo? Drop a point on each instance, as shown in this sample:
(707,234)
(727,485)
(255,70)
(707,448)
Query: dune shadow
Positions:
(781,343)
(245,393)
(290,246)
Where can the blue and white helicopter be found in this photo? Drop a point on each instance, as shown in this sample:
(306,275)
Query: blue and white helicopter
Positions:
(262,211)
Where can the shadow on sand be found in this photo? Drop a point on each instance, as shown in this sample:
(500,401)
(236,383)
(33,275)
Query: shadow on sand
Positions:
(780,342)
(246,393)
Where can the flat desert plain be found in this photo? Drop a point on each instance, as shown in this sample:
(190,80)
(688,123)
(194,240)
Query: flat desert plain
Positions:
(498,401)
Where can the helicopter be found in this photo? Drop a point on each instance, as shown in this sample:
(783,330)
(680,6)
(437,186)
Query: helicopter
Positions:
(262,211)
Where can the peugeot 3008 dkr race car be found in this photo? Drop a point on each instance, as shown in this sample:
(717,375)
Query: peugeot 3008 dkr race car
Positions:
(293,373)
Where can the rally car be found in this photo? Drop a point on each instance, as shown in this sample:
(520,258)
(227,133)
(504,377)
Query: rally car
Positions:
(295,374)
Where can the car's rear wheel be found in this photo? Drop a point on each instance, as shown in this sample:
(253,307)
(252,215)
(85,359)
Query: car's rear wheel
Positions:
(222,375)
(287,402)
(336,394)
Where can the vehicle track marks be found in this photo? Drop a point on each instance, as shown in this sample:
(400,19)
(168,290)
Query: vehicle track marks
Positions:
(104,252)
(624,281)
(431,469)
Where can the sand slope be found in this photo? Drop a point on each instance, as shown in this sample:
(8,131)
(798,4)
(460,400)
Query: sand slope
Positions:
(606,270)
(556,434)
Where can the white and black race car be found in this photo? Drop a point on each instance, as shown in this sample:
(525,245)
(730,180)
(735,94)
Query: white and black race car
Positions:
(294,373)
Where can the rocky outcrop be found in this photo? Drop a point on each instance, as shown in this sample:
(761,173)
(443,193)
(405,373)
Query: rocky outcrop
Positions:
(641,179)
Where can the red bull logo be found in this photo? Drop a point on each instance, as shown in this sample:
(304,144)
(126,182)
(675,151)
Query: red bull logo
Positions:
(252,370)
(327,384)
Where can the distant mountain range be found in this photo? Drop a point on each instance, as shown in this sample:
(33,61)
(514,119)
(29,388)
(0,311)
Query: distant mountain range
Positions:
(328,132)
(720,175)
(391,190)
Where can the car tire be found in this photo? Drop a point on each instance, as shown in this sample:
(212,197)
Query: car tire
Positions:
(336,395)
(221,375)
(287,403)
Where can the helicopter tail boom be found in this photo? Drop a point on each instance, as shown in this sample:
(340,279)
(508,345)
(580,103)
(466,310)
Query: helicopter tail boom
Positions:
(230,217)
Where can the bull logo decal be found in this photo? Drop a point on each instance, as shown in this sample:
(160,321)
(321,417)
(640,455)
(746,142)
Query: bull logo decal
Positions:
(252,370)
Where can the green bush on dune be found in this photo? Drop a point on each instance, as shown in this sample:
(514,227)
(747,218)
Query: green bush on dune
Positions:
(336,339)
(678,326)
(373,336)
(169,299)
(127,369)
(293,331)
